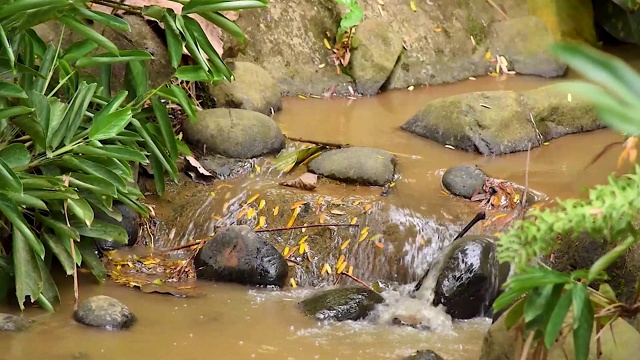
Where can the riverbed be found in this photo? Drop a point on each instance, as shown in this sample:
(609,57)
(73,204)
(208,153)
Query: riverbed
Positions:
(235,322)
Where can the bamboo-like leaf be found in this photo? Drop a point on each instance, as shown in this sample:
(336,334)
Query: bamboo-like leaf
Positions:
(158,174)
(26,200)
(109,20)
(175,42)
(57,111)
(91,260)
(80,28)
(610,257)
(99,203)
(15,155)
(14,111)
(203,43)
(32,128)
(114,151)
(190,43)
(52,195)
(199,6)
(104,80)
(154,11)
(582,321)
(225,24)
(514,314)
(184,101)
(27,272)
(79,50)
(557,319)
(121,168)
(192,73)
(153,149)
(106,125)
(136,78)
(49,291)
(8,179)
(4,44)
(61,230)
(93,168)
(124,56)
(81,208)
(76,112)
(42,109)
(101,230)
(46,66)
(9,90)
(166,129)
(12,212)
(62,254)
(16,7)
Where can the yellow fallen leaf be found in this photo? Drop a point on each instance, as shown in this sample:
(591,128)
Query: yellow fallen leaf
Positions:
(487,55)
(241,213)
(350,272)
(217,218)
(212,194)
(354,220)
(297,204)
(365,230)
(437,29)
(367,207)
(303,248)
(258,168)
(375,237)
(496,234)
(379,244)
(413,6)
(363,236)
(341,267)
(251,213)
(261,221)
(321,66)
(499,216)
(322,218)
(304,238)
(338,212)
(326,269)
(345,244)
(326,43)
(276,210)
(340,261)
(293,217)
(253,198)
(302,97)
(286,250)
(293,283)
(356,203)
(262,203)
(320,200)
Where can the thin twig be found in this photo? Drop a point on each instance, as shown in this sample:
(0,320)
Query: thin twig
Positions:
(357,280)
(498,9)
(322,143)
(526,180)
(76,291)
(305,226)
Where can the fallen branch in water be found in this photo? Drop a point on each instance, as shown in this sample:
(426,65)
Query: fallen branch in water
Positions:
(499,9)
(322,143)
(356,280)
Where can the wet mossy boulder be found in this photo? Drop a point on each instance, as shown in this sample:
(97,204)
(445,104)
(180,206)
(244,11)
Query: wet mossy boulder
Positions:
(252,89)
(10,322)
(237,254)
(470,277)
(524,42)
(621,343)
(340,304)
(376,48)
(366,166)
(500,122)
(234,133)
(424,355)
(104,312)
(566,19)
(463,180)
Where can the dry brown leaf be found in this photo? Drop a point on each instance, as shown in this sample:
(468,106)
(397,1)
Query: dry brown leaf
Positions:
(306,181)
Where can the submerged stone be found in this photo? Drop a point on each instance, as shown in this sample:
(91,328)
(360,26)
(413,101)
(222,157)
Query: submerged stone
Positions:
(463,180)
(237,254)
(104,312)
(234,133)
(10,322)
(361,165)
(340,304)
(424,355)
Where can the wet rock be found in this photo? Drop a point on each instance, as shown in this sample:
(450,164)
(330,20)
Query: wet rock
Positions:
(104,312)
(237,254)
(340,304)
(253,89)
(470,278)
(424,355)
(499,122)
(361,165)
(224,167)
(621,343)
(568,19)
(129,222)
(376,48)
(10,322)
(524,42)
(234,133)
(463,180)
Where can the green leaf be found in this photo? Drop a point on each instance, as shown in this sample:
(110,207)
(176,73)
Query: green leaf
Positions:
(60,251)
(154,11)
(81,208)
(42,109)
(15,155)
(192,73)
(123,169)
(158,174)
(183,148)
(32,128)
(16,7)
(557,319)
(536,301)
(76,112)
(606,291)
(78,50)
(225,24)
(80,28)
(57,113)
(106,125)
(199,6)
(101,230)
(12,212)
(136,78)
(91,260)
(92,183)
(166,129)
(185,102)
(104,80)
(46,66)
(9,90)
(113,151)
(8,179)
(108,58)
(14,111)
(610,257)
(190,43)
(205,45)
(514,314)
(582,321)
(52,195)
(61,230)
(175,42)
(104,204)
(27,271)
(169,165)
(93,168)
(26,200)
(49,291)
(5,46)
(109,20)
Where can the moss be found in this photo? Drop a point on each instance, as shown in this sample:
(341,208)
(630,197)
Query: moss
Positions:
(476,29)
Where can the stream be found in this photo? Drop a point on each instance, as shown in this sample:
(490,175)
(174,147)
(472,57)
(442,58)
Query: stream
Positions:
(417,220)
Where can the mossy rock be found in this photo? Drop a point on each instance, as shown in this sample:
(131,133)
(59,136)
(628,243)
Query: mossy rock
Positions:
(566,19)
(340,304)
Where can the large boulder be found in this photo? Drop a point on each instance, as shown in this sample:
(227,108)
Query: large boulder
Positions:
(253,89)
(470,277)
(567,19)
(340,304)
(522,41)
(234,133)
(361,165)
(376,48)
(10,322)
(501,122)
(622,342)
(104,312)
(237,254)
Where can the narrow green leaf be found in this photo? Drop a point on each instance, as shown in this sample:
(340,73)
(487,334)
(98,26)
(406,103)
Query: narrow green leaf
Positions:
(92,183)
(99,203)
(32,128)
(81,208)
(203,43)
(14,111)
(514,314)
(113,58)
(42,109)
(184,101)
(190,43)
(49,291)
(51,195)
(15,155)
(122,169)
(166,129)
(8,179)
(151,146)
(12,212)
(536,301)
(4,44)
(610,257)
(183,148)
(606,290)
(93,168)
(583,322)
(26,200)
(61,230)
(113,151)
(191,73)
(46,66)
(199,6)
(175,42)
(60,251)
(57,113)
(79,50)
(557,319)
(16,7)
(136,78)
(109,20)
(101,230)
(27,272)
(76,112)
(30,182)
(225,24)
(154,11)
(9,90)
(133,203)
(158,174)
(104,79)
(106,125)
(80,28)
(91,260)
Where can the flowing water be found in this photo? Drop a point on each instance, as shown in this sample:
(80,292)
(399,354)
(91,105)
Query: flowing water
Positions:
(235,322)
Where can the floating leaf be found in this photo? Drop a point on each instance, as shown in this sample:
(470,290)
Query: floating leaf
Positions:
(286,161)
(276,210)
(345,244)
(325,269)
(261,222)
(293,217)
(293,283)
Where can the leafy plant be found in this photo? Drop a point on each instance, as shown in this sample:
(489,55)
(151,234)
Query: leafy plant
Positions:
(351,18)
(67,145)
(541,298)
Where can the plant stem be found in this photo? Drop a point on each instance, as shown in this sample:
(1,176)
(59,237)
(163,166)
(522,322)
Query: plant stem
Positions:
(118,6)
(305,226)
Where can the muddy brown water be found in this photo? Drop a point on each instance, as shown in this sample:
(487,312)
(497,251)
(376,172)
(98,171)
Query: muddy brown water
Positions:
(234,322)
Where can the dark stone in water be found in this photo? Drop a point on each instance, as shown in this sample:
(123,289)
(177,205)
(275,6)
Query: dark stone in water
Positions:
(471,277)
(348,303)
(424,355)
(104,312)
(463,180)
(237,254)
(129,223)
(10,322)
